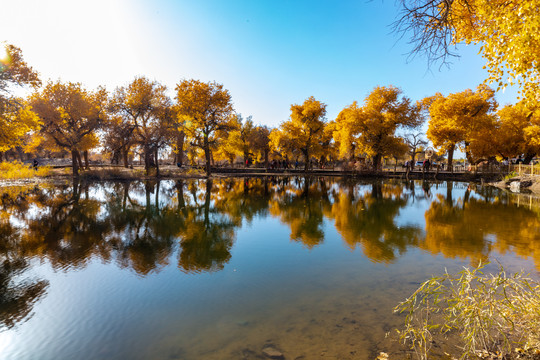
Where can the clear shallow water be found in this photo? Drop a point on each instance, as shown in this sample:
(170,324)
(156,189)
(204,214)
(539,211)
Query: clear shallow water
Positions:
(220,269)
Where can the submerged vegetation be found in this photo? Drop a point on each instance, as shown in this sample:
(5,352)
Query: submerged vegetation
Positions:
(495,316)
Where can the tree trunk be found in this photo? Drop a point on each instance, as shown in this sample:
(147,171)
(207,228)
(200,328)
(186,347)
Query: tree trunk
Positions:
(85,154)
(1,156)
(157,161)
(125,153)
(528,158)
(20,152)
(451,157)
(266,158)
(207,154)
(246,158)
(114,157)
(468,154)
(306,159)
(79,159)
(74,163)
(376,161)
(180,148)
(147,160)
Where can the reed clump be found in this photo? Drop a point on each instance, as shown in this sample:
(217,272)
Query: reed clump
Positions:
(472,315)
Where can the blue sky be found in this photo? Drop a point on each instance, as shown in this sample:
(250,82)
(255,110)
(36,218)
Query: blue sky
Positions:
(268,54)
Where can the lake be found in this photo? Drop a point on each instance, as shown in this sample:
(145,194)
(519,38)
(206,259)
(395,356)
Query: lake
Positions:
(221,269)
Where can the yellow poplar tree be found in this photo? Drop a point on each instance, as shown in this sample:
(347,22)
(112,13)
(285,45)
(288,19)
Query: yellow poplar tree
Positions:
(507,30)
(305,128)
(16,118)
(230,145)
(205,109)
(261,143)
(462,119)
(145,109)
(372,128)
(517,132)
(70,114)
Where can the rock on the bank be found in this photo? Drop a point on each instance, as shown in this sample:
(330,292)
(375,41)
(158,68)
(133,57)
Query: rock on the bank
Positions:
(520,184)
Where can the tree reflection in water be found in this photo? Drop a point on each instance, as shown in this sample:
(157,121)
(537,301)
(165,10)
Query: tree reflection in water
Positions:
(367,218)
(141,225)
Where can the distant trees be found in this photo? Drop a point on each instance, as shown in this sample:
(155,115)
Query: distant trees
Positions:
(415,143)
(140,118)
(260,142)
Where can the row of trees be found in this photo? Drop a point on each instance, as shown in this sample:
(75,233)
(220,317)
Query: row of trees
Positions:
(201,121)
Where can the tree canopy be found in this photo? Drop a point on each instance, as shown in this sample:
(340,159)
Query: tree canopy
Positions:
(304,130)
(463,119)
(16,117)
(372,128)
(70,114)
(205,109)
(507,31)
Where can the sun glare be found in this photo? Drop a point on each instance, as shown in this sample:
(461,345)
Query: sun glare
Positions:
(5,59)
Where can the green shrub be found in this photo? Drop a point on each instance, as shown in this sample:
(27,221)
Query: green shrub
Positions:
(510,175)
(485,316)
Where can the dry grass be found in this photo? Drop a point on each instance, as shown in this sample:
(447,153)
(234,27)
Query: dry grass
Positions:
(488,316)
(18,170)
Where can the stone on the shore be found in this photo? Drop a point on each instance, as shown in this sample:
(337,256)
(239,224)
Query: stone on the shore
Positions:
(515,186)
(272,353)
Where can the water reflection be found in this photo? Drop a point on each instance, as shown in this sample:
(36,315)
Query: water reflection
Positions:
(474,226)
(141,225)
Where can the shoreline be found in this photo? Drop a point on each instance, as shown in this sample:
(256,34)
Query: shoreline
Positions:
(60,176)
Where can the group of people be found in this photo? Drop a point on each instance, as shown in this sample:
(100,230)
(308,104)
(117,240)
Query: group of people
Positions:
(281,164)
(426,165)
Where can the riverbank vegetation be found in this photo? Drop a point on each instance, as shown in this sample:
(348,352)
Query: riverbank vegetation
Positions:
(472,315)
(139,121)
(17,170)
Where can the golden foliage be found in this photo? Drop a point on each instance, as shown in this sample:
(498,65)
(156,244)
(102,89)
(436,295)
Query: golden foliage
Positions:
(203,109)
(144,117)
(507,31)
(463,119)
(18,170)
(371,129)
(303,132)
(16,117)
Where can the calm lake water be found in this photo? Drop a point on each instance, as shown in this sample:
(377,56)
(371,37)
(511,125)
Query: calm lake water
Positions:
(220,269)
